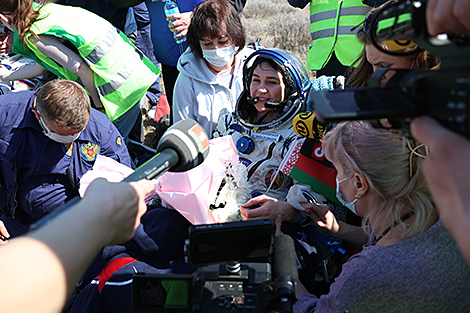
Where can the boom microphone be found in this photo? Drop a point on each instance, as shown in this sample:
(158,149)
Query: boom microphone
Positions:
(268,104)
(306,125)
(182,147)
(284,272)
(252,100)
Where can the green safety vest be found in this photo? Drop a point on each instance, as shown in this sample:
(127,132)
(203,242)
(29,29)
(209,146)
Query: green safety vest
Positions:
(332,24)
(122,74)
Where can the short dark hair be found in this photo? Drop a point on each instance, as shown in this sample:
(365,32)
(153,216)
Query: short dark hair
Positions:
(215,18)
(64,102)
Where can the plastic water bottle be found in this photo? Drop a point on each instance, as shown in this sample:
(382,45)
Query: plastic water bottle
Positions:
(169,8)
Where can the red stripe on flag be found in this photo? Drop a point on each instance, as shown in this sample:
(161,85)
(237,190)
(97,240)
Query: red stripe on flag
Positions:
(323,173)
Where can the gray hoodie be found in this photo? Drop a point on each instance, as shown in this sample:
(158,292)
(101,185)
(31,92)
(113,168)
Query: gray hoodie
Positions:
(201,95)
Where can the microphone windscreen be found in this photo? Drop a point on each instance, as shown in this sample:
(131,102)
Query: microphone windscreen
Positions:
(189,140)
(306,125)
(284,261)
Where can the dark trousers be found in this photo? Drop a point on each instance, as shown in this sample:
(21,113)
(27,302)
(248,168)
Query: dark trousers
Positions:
(170,74)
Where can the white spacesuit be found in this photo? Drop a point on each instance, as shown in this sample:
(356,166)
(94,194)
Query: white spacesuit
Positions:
(262,146)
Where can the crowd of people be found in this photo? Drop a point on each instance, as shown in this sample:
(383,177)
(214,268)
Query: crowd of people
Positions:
(71,91)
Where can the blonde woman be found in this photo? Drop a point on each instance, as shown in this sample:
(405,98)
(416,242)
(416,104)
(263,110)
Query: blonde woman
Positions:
(409,261)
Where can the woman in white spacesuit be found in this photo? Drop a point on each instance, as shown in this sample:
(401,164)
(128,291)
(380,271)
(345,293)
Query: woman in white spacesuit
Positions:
(276,86)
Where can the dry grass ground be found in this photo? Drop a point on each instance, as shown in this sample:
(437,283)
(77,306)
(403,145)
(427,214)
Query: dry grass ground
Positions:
(279,25)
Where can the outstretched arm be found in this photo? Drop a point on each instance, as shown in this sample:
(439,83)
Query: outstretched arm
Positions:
(25,72)
(324,218)
(50,260)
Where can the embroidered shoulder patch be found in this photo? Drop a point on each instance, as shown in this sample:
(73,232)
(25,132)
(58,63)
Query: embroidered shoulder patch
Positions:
(68,148)
(89,151)
(278,179)
(119,141)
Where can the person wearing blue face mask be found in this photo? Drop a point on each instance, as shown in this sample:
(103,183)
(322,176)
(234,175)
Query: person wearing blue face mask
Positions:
(409,261)
(349,205)
(48,140)
(211,70)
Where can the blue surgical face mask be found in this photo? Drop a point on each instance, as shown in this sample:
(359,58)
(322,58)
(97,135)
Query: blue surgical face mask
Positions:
(349,205)
(219,57)
(56,137)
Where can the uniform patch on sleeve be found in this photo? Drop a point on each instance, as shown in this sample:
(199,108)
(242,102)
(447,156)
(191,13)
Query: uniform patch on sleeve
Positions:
(89,151)
(119,141)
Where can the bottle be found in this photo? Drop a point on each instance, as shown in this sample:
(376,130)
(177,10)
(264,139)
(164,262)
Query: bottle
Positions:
(169,8)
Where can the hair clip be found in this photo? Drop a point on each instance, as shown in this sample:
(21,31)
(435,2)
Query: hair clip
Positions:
(414,151)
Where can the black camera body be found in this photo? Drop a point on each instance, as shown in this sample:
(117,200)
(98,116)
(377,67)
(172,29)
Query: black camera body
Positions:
(221,283)
(443,93)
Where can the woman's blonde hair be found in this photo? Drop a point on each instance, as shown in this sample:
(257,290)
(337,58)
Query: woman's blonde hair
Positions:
(383,158)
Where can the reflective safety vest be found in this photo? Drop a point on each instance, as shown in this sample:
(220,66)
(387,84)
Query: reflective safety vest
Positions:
(122,74)
(333,28)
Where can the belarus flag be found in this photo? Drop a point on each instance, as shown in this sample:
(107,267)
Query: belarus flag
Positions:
(306,163)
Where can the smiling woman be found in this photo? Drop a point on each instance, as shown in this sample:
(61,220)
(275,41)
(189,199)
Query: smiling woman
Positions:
(267,85)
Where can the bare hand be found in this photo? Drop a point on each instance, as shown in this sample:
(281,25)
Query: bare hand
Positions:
(120,204)
(322,216)
(181,23)
(448,16)
(270,208)
(4,233)
(446,168)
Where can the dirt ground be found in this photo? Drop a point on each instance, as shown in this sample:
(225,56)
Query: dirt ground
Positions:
(152,131)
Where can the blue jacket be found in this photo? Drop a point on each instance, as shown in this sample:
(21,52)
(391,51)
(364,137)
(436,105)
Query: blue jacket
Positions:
(166,49)
(156,248)
(37,174)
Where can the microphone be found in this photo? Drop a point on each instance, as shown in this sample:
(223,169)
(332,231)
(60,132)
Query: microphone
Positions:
(284,273)
(306,125)
(252,100)
(182,147)
(269,105)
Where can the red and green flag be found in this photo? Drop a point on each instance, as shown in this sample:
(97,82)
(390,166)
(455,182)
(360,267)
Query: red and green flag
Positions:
(306,163)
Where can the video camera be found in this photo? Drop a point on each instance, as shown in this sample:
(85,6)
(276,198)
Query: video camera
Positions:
(443,94)
(221,283)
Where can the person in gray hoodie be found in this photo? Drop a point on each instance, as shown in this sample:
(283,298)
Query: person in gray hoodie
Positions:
(211,69)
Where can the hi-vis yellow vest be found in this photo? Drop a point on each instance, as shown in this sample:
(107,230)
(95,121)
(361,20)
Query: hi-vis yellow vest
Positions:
(122,74)
(331,26)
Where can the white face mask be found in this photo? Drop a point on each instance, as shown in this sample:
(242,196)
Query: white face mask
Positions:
(349,205)
(56,137)
(219,57)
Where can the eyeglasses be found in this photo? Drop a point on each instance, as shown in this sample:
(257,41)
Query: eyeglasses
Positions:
(366,22)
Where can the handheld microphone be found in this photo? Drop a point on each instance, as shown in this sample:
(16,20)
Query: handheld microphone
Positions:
(306,125)
(182,147)
(284,273)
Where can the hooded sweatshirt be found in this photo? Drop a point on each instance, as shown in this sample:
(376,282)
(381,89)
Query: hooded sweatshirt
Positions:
(202,95)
